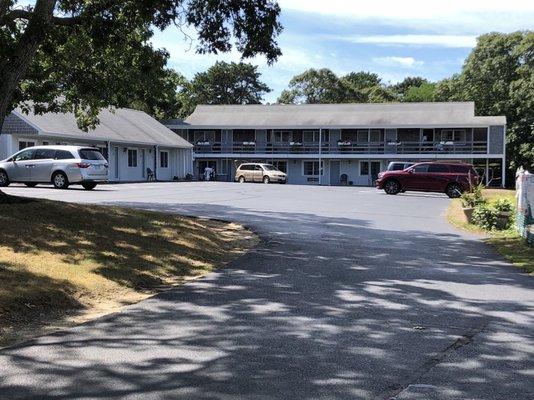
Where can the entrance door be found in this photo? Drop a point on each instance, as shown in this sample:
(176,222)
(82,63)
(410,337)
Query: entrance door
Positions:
(375,169)
(202,165)
(335,168)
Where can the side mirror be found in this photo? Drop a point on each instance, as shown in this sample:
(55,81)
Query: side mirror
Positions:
(410,171)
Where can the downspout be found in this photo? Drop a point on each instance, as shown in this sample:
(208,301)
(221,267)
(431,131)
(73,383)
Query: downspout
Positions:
(109,156)
(320,155)
(156,149)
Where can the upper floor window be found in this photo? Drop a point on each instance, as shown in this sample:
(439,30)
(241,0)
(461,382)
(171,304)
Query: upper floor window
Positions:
(453,135)
(281,136)
(206,136)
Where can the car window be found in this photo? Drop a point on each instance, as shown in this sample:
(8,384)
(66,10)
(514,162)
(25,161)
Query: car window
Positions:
(244,167)
(397,167)
(44,154)
(24,155)
(91,154)
(460,168)
(437,168)
(257,168)
(268,167)
(63,155)
(420,168)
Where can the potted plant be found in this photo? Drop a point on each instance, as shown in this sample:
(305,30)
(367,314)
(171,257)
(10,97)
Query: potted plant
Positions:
(504,209)
(470,200)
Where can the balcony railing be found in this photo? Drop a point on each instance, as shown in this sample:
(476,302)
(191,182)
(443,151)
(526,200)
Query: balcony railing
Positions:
(342,147)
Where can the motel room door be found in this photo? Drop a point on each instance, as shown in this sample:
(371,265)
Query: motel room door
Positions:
(335,169)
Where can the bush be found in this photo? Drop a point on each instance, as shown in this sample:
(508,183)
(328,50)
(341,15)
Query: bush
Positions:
(503,205)
(485,217)
(472,198)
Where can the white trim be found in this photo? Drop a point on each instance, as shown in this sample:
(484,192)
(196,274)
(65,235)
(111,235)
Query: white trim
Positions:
(315,127)
(128,149)
(346,156)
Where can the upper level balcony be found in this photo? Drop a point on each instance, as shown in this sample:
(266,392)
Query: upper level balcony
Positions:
(413,141)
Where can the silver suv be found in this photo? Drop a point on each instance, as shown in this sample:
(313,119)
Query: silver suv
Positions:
(255,172)
(60,165)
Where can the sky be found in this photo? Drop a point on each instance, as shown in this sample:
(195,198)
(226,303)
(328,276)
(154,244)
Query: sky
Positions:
(393,38)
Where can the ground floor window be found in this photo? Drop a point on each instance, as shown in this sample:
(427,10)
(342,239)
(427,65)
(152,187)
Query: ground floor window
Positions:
(164,159)
(364,168)
(281,165)
(312,168)
(24,143)
(132,158)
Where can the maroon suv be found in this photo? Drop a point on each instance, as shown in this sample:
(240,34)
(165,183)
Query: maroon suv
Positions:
(449,178)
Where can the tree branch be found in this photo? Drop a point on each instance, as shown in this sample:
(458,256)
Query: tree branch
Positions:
(27,14)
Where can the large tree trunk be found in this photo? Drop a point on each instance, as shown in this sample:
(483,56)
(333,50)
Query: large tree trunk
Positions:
(13,69)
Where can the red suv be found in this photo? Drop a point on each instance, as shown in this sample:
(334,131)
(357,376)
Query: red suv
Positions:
(449,178)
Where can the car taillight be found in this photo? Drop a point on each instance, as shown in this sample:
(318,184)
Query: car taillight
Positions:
(83,165)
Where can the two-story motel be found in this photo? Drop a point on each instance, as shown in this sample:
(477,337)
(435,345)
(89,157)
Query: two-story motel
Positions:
(336,144)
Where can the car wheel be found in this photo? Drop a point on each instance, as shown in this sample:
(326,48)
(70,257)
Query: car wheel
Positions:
(4,179)
(241,179)
(30,184)
(266,179)
(60,180)
(454,191)
(392,187)
(88,186)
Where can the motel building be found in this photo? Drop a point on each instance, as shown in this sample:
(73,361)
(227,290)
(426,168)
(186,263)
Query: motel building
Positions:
(342,144)
(136,146)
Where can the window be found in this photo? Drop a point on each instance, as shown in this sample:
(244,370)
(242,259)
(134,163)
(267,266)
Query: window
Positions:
(362,136)
(453,135)
(311,168)
(64,155)
(281,136)
(244,136)
(437,168)
(164,159)
(24,155)
(246,167)
(375,136)
(364,168)
(23,144)
(420,168)
(206,136)
(132,158)
(91,154)
(281,165)
(44,154)
(310,136)
(46,143)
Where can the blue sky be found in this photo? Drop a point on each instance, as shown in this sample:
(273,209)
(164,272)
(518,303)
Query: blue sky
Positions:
(392,38)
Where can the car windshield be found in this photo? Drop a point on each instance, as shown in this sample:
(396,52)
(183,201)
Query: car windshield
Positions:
(91,154)
(268,167)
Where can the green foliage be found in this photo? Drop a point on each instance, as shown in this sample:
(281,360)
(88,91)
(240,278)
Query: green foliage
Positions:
(83,55)
(485,217)
(323,86)
(498,76)
(472,198)
(223,83)
(422,93)
(503,205)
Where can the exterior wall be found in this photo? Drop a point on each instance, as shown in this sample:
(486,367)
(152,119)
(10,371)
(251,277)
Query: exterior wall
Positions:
(496,140)
(16,126)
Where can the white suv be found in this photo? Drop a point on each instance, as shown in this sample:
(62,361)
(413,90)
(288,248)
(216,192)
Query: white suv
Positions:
(59,165)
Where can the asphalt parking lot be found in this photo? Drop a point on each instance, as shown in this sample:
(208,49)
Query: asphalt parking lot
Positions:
(352,294)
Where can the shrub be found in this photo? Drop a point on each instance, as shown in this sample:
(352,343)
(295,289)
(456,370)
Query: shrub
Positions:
(503,205)
(485,217)
(472,198)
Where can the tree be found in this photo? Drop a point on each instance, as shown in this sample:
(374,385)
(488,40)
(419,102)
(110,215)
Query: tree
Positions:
(314,86)
(81,56)
(360,85)
(422,93)
(411,81)
(498,76)
(225,83)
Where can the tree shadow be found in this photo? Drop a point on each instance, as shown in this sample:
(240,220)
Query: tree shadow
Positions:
(324,308)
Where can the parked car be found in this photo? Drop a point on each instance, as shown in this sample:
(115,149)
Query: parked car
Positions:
(59,165)
(256,172)
(449,178)
(398,165)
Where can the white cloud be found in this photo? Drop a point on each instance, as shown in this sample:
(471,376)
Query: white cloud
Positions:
(459,41)
(393,61)
(451,16)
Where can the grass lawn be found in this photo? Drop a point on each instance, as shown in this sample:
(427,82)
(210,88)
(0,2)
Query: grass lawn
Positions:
(63,263)
(508,242)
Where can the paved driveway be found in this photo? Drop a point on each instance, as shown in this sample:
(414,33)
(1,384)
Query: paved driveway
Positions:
(352,295)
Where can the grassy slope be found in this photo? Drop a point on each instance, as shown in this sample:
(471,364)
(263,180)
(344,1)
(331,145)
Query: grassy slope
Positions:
(63,262)
(508,243)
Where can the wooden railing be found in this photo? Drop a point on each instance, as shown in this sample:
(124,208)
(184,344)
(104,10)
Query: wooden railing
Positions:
(342,148)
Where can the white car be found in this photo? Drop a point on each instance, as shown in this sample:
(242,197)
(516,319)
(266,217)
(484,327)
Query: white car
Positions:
(59,165)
